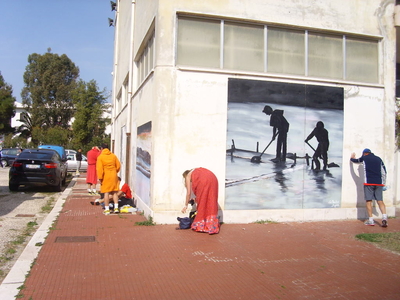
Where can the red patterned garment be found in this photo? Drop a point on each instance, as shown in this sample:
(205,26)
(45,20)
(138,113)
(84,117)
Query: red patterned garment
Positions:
(205,188)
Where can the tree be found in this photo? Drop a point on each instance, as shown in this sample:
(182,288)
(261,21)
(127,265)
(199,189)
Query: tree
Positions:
(55,135)
(7,107)
(89,125)
(47,95)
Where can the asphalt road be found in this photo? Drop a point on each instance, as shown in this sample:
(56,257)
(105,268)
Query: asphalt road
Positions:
(17,209)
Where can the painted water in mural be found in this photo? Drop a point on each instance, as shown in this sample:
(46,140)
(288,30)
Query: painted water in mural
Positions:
(255,179)
(143,162)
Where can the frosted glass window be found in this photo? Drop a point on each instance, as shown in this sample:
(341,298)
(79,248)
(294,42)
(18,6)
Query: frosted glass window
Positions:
(146,61)
(198,43)
(243,47)
(145,64)
(325,56)
(286,51)
(151,53)
(361,60)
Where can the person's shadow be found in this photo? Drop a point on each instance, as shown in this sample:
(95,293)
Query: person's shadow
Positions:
(359,181)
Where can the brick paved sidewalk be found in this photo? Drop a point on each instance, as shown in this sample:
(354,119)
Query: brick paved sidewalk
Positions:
(91,256)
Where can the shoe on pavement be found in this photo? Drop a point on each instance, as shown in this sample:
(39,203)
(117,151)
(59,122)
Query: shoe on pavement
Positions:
(116,211)
(106,212)
(369,223)
(384,223)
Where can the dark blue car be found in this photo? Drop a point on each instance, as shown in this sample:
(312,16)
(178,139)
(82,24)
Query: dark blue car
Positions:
(8,156)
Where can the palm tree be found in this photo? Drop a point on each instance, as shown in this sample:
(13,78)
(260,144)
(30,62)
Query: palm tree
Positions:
(25,129)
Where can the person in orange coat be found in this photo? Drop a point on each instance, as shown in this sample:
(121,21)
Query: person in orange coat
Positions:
(107,167)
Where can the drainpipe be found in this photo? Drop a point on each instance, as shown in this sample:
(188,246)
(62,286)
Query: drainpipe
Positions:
(129,107)
(114,73)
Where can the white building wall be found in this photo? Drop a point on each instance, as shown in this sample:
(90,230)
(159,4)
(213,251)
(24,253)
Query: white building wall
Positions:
(18,110)
(188,107)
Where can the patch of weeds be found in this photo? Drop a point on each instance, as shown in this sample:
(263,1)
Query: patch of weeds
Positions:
(265,222)
(12,247)
(389,240)
(20,294)
(148,222)
(10,251)
(48,206)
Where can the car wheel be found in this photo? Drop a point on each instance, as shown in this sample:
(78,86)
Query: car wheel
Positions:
(65,178)
(58,188)
(4,163)
(13,187)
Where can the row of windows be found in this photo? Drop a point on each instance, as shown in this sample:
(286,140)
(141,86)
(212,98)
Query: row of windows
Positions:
(257,48)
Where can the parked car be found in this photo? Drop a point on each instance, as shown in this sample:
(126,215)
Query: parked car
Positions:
(72,163)
(70,151)
(38,167)
(8,156)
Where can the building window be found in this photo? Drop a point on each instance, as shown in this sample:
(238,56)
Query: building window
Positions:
(286,51)
(125,91)
(145,63)
(243,47)
(199,43)
(118,103)
(219,44)
(325,55)
(361,60)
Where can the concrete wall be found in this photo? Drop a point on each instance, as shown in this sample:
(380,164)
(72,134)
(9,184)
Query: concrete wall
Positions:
(188,108)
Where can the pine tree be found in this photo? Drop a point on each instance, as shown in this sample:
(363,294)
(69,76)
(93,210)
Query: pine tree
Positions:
(47,95)
(7,107)
(89,125)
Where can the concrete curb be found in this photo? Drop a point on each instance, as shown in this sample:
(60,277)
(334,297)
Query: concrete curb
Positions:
(17,275)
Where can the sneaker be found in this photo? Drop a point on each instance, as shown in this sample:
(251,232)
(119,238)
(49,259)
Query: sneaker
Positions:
(116,211)
(369,223)
(384,223)
(106,212)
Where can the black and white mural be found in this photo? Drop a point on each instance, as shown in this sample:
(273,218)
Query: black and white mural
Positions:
(143,162)
(284,145)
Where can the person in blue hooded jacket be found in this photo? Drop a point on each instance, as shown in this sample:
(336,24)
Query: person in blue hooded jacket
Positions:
(374,181)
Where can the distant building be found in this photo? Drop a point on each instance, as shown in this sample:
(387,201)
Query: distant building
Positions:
(191,80)
(19,109)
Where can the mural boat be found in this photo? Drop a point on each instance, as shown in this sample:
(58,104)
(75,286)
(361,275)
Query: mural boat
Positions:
(250,154)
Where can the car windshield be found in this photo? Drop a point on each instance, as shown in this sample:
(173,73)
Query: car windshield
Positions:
(35,155)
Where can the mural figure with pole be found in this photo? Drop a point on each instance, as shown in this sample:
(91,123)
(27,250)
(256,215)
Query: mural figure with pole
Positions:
(322,136)
(280,129)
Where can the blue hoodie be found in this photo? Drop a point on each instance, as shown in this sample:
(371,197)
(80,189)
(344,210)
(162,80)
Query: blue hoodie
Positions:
(374,169)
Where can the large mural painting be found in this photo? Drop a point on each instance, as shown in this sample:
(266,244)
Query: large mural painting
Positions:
(284,145)
(143,162)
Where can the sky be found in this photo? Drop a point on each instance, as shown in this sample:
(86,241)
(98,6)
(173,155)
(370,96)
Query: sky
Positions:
(77,28)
